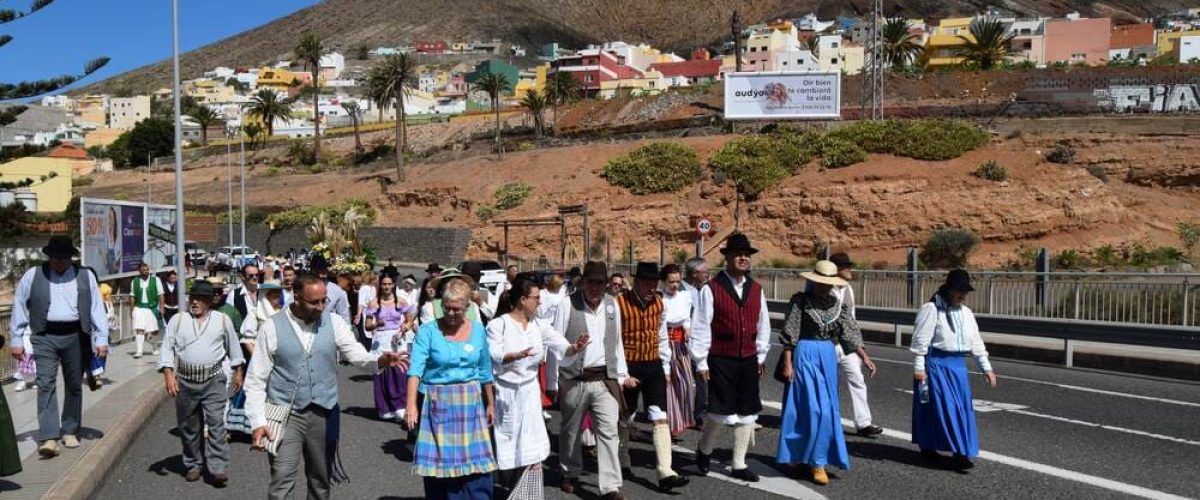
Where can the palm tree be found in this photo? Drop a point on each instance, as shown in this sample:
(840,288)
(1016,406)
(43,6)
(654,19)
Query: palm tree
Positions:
(813,44)
(204,116)
(536,103)
(268,107)
(561,88)
(391,81)
(900,47)
(355,114)
(310,50)
(988,44)
(253,131)
(494,84)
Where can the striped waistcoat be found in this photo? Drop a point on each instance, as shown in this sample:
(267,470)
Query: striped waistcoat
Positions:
(639,327)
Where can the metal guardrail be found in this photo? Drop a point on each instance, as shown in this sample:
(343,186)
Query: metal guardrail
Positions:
(122,332)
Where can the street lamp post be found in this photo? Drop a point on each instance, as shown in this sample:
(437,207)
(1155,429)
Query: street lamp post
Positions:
(179,232)
(229,190)
(242,175)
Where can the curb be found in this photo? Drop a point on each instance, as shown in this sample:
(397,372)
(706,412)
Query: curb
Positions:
(88,474)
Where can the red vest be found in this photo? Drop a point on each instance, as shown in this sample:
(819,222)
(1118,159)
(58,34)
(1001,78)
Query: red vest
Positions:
(735,322)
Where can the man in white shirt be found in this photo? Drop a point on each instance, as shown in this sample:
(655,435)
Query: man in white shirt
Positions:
(695,277)
(295,366)
(245,297)
(195,347)
(851,364)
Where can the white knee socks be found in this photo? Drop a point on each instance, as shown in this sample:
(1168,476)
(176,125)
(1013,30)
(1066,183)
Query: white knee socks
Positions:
(139,340)
(662,449)
(709,438)
(742,435)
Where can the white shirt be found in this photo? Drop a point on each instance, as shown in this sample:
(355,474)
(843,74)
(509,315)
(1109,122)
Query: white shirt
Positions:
(597,326)
(677,309)
(548,306)
(366,295)
(64,305)
(251,298)
(200,342)
(263,361)
(505,336)
(256,316)
(412,297)
(933,330)
(701,339)
(845,294)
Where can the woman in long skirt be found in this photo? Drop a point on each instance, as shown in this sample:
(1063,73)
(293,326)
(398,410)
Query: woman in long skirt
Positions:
(10,456)
(518,344)
(452,367)
(811,431)
(388,321)
(681,391)
(943,417)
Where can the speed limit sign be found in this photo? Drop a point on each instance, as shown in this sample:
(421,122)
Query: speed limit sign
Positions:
(703,226)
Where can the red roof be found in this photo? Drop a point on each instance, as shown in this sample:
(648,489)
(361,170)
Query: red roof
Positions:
(689,69)
(68,151)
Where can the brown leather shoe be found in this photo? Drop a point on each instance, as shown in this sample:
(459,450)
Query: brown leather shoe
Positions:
(568,486)
(192,475)
(616,495)
(220,480)
(819,476)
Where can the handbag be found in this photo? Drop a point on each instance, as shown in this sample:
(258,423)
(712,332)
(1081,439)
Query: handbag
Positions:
(277,415)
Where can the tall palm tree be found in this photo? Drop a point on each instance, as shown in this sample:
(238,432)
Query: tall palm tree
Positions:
(536,103)
(310,50)
(268,107)
(204,116)
(494,84)
(253,131)
(561,88)
(900,47)
(988,44)
(391,81)
(813,44)
(355,114)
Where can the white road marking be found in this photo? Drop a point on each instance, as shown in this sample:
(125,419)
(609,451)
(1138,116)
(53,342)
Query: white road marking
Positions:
(1107,427)
(983,406)
(1048,470)
(1071,387)
(770,480)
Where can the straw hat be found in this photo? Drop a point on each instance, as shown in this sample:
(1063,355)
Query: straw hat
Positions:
(825,272)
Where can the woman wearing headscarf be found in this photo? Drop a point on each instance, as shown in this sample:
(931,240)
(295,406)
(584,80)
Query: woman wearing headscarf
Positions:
(388,321)
(943,418)
(270,301)
(519,344)
(811,430)
(452,367)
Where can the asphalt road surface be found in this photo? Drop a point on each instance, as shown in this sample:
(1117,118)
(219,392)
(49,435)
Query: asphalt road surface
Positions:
(1046,432)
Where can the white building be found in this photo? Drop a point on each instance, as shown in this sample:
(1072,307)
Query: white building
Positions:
(427,82)
(57,101)
(1189,48)
(220,73)
(125,112)
(835,54)
(332,65)
(796,59)
(810,23)
(249,78)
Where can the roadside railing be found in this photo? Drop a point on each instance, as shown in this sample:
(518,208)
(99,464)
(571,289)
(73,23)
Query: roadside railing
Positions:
(122,332)
(8,365)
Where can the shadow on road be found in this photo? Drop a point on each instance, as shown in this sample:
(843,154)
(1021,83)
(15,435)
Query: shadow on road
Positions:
(872,450)
(170,465)
(399,448)
(9,486)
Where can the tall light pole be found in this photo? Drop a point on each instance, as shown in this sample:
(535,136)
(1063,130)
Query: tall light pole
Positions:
(242,175)
(179,236)
(229,190)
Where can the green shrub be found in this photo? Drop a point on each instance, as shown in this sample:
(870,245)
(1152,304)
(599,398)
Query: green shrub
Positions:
(680,255)
(302,216)
(1106,256)
(272,171)
(752,162)
(316,168)
(1061,154)
(838,153)
(486,211)
(875,136)
(526,146)
(120,196)
(661,167)
(301,152)
(82,181)
(938,139)
(795,148)
(375,153)
(511,195)
(990,170)
(948,248)
(1071,260)
(1098,172)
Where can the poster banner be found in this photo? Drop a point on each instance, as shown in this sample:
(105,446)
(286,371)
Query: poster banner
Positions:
(116,237)
(777,95)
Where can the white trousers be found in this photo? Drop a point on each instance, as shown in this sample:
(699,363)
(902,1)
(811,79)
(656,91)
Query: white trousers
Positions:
(851,366)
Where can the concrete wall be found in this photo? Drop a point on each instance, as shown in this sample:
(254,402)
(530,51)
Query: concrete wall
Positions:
(442,245)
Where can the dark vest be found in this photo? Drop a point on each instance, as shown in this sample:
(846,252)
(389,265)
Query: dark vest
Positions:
(38,303)
(735,321)
(239,301)
(577,325)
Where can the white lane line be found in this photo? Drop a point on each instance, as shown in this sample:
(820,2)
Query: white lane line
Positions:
(1107,427)
(981,405)
(1071,387)
(770,480)
(1048,470)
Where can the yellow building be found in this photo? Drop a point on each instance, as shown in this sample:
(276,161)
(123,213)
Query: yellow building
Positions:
(944,41)
(1168,41)
(276,79)
(54,194)
(208,91)
(91,110)
(537,84)
(651,82)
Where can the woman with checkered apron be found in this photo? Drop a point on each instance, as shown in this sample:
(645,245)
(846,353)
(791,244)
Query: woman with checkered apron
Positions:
(452,368)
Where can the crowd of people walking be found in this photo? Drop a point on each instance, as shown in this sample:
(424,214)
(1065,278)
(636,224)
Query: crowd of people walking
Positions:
(471,370)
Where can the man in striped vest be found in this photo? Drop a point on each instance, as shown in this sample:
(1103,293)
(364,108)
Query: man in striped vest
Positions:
(648,358)
(731,334)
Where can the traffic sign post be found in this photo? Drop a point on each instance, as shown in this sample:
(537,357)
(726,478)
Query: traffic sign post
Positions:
(703,227)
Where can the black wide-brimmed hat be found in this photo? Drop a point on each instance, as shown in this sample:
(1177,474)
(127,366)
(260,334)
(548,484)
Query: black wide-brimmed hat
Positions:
(595,270)
(647,271)
(959,279)
(738,242)
(60,246)
(202,288)
(841,260)
(433,268)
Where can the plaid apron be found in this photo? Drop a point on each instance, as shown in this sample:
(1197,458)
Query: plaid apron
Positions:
(454,440)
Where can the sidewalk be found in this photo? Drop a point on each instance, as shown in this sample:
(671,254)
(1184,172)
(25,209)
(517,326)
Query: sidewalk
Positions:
(131,392)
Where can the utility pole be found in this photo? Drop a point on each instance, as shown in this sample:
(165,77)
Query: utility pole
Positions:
(242,175)
(873,67)
(179,230)
(229,190)
(736,29)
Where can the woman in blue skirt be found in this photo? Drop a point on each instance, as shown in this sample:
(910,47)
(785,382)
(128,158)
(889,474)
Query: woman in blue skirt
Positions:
(811,431)
(945,335)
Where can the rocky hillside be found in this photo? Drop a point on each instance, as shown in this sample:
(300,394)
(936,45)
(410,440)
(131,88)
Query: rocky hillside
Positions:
(674,24)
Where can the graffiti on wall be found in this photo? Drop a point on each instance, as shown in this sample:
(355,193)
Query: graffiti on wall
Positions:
(1159,98)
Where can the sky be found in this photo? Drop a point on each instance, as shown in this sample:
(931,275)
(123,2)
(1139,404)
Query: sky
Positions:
(63,37)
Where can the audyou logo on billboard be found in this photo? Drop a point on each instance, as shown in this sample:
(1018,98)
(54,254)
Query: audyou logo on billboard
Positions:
(750,96)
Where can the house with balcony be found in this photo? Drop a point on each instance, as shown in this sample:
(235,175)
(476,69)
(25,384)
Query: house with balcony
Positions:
(760,49)
(944,43)
(1168,41)
(1131,40)
(688,73)
(495,66)
(1078,40)
(531,81)
(1029,41)
(589,67)
(640,56)
(207,91)
(280,79)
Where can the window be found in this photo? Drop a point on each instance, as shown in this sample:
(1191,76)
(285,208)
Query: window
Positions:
(785,63)
(587,78)
(833,60)
(835,45)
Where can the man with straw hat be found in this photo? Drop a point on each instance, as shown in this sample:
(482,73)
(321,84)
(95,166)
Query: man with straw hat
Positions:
(731,334)
(194,350)
(59,303)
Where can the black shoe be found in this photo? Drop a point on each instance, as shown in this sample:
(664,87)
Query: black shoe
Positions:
(626,472)
(702,463)
(745,475)
(930,456)
(961,462)
(668,483)
(870,431)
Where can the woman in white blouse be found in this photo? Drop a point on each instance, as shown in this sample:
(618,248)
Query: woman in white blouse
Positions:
(518,343)
(944,336)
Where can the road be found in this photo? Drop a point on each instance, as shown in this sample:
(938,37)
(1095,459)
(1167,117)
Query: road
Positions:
(1046,432)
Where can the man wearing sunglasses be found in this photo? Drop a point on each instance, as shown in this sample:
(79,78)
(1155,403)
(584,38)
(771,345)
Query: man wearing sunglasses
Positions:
(244,298)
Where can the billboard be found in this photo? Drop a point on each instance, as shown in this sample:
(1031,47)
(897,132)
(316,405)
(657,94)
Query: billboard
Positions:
(118,235)
(783,95)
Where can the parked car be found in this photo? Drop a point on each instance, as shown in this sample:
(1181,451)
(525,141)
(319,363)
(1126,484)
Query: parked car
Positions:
(234,257)
(196,255)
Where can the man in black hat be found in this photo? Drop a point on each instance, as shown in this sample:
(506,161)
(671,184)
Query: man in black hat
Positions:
(390,270)
(851,363)
(195,346)
(731,334)
(648,356)
(433,269)
(59,302)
